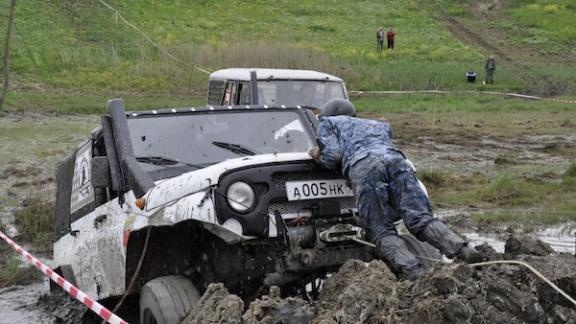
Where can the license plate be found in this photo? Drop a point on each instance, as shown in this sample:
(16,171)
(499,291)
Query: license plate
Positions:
(317,189)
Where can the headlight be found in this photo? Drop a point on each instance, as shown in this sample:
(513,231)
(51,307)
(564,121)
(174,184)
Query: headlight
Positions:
(241,196)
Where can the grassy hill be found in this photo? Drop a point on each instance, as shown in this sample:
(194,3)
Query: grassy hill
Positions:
(71,55)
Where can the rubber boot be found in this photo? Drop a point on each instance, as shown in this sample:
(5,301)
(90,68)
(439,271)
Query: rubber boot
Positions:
(398,257)
(449,243)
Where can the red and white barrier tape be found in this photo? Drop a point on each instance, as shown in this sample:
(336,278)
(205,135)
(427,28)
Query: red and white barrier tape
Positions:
(96,307)
(447,92)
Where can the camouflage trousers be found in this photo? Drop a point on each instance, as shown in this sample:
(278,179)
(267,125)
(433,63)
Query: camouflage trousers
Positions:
(387,190)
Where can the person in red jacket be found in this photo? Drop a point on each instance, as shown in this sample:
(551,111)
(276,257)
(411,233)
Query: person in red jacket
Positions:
(390,37)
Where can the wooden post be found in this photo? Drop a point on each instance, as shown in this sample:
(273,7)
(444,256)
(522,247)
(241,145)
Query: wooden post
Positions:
(7,53)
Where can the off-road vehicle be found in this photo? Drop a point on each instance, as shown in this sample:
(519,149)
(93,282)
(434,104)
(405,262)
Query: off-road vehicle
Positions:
(274,87)
(175,199)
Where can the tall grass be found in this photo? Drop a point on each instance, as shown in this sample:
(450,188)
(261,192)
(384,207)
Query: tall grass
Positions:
(571,172)
(12,272)
(34,223)
(78,48)
(546,22)
(569,179)
(502,189)
(434,178)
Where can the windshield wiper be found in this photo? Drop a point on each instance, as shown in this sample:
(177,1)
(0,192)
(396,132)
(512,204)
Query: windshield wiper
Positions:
(236,148)
(164,161)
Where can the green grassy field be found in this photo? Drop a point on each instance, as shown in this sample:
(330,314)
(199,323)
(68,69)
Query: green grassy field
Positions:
(71,56)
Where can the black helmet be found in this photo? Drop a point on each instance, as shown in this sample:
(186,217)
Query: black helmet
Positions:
(336,107)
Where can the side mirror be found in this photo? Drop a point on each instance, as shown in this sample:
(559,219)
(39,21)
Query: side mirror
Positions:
(100,175)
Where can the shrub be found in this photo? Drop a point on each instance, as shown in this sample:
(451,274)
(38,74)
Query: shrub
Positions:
(11,270)
(551,8)
(433,178)
(13,273)
(504,160)
(34,223)
(501,189)
(571,172)
(569,179)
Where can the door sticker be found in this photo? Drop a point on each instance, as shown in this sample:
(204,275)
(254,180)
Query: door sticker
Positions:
(82,191)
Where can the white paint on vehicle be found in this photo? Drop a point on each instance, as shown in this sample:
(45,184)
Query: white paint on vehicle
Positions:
(95,251)
(170,190)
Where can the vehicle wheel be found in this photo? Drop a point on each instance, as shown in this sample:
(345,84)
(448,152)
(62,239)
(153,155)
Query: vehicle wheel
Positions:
(167,300)
(65,271)
(422,249)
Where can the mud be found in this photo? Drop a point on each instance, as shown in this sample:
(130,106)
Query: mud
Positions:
(217,305)
(17,304)
(532,246)
(486,153)
(272,309)
(450,293)
(32,144)
(58,308)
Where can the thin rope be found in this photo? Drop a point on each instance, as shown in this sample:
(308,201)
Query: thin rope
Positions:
(529,211)
(119,15)
(452,92)
(536,272)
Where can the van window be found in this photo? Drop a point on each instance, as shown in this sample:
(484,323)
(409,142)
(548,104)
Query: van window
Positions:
(230,94)
(216,92)
(299,92)
(244,93)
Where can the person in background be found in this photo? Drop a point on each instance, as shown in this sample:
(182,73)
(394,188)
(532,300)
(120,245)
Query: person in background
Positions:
(490,68)
(471,76)
(382,178)
(390,37)
(380,39)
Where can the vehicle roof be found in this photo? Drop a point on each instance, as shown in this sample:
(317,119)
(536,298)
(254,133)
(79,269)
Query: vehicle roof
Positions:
(213,108)
(271,74)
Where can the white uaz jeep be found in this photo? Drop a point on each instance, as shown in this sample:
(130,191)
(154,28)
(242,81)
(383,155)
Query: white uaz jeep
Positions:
(179,198)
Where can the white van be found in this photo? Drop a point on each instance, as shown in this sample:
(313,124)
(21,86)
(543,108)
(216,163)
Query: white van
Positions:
(275,87)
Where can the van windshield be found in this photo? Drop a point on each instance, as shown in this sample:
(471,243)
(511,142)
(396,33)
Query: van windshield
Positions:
(293,92)
(192,141)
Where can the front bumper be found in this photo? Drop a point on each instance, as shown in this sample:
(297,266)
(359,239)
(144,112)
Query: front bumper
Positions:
(268,181)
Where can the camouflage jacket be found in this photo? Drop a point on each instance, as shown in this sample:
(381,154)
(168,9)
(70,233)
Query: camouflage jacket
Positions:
(490,64)
(345,140)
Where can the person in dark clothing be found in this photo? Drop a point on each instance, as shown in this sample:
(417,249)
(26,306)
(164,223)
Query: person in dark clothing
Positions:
(471,76)
(380,39)
(490,68)
(382,179)
(390,37)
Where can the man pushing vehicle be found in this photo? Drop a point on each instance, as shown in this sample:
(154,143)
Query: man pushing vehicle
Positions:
(382,178)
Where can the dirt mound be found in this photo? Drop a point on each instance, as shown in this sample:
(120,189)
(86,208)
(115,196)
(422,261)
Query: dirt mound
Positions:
(272,309)
(357,292)
(450,293)
(527,245)
(217,305)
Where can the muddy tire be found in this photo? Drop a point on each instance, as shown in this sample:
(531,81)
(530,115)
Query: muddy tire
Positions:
(65,271)
(167,300)
(422,249)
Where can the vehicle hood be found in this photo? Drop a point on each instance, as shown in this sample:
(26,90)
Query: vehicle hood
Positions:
(168,191)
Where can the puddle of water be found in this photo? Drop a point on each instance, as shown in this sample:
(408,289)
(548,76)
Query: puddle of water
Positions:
(17,303)
(493,240)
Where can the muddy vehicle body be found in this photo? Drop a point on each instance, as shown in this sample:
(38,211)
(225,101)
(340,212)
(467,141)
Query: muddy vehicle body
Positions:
(275,87)
(176,199)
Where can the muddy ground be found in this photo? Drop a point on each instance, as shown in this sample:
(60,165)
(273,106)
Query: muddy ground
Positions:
(450,293)
(32,145)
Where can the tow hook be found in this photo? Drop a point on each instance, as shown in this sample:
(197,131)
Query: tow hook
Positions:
(342,232)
